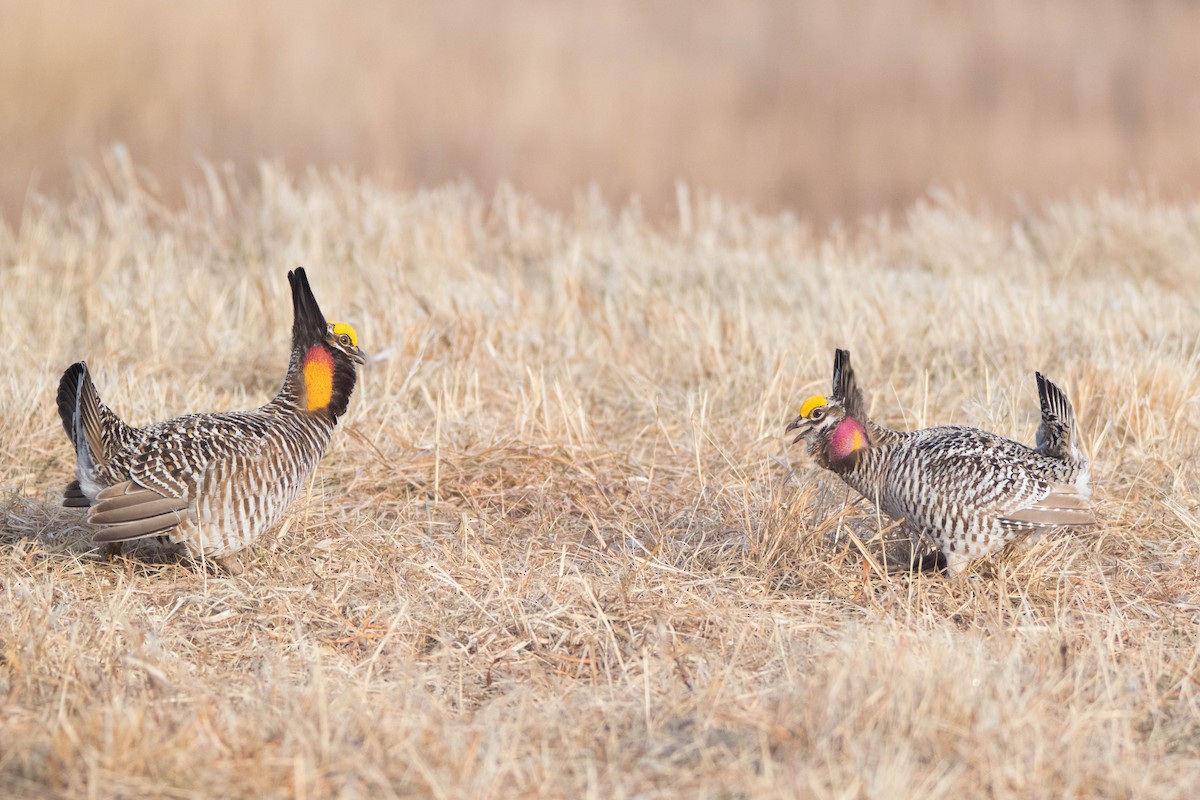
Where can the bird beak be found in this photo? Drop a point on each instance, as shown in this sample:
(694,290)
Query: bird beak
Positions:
(358,356)
(798,423)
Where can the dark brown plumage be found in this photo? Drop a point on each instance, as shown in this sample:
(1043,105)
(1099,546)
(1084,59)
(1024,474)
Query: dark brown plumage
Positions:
(966,491)
(212,482)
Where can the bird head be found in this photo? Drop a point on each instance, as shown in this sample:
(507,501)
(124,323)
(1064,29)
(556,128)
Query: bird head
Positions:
(833,437)
(817,420)
(834,428)
(343,337)
(324,353)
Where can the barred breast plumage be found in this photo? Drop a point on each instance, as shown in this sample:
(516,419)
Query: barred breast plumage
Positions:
(967,491)
(212,482)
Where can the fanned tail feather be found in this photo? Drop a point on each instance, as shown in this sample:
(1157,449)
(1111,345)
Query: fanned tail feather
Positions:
(87,421)
(92,428)
(68,397)
(1056,435)
(91,419)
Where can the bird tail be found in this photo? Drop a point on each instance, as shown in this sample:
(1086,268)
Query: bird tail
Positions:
(92,428)
(68,397)
(1058,434)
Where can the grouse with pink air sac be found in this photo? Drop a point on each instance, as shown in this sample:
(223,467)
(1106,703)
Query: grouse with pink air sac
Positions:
(966,491)
(212,482)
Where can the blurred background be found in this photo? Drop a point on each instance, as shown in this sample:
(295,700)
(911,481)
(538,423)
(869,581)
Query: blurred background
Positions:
(830,110)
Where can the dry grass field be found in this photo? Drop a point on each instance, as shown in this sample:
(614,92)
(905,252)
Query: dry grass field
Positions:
(829,109)
(560,547)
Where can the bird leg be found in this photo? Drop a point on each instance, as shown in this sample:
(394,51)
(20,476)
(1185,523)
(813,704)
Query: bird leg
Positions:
(231,564)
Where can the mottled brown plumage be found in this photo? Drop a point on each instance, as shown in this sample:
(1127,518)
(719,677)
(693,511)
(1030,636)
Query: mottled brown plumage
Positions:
(212,482)
(966,491)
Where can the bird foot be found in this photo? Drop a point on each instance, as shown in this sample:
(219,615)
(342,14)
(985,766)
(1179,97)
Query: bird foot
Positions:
(231,564)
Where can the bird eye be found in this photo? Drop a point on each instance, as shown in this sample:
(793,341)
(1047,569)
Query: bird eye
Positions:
(817,413)
(344,340)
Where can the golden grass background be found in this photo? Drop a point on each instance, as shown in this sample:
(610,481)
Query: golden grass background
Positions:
(559,546)
(826,109)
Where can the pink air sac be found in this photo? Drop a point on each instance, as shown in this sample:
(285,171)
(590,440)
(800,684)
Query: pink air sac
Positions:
(847,438)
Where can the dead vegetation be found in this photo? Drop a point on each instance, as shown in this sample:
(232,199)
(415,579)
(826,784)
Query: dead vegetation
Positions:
(559,547)
(834,109)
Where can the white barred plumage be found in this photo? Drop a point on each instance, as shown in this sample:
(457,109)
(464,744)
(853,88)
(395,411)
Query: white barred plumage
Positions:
(212,482)
(966,491)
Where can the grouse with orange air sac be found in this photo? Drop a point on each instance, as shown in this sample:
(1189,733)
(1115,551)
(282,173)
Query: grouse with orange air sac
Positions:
(212,482)
(966,491)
